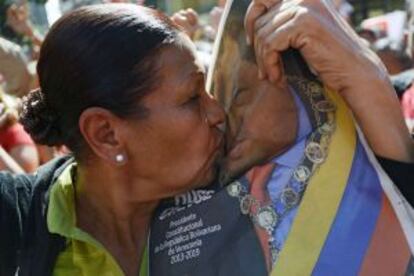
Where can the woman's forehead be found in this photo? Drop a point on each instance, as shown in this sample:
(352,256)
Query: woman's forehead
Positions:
(178,76)
(178,64)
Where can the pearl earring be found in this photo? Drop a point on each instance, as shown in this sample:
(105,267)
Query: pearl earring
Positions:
(120,158)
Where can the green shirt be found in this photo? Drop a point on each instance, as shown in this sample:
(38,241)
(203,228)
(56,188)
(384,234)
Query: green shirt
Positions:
(83,254)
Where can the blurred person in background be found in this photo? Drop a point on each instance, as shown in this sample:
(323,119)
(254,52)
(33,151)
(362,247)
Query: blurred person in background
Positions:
(188,20)
(18,19)
(215,16)
(409,7)
(403,82)
(407,104)
(14,69)
(17,82)
(15,140)
(393,55)
(6,161)
(202,33)
(369,35)
(15,25)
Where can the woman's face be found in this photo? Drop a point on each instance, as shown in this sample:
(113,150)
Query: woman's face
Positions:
(178,145)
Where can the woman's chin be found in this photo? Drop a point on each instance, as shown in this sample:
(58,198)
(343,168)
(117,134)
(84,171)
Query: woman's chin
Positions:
(207,180)
(211,174)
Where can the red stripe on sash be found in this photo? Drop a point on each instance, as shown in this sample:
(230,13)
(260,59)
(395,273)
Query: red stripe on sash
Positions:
(388,253)
(258,178)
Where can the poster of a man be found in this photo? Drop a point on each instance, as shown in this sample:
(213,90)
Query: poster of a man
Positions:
(261,115)
(301,184)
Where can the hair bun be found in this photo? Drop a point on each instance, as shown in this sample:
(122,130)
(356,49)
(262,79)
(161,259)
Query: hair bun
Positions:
(39,120)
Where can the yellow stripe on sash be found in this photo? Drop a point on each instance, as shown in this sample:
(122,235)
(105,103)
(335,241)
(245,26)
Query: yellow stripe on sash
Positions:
(321,200)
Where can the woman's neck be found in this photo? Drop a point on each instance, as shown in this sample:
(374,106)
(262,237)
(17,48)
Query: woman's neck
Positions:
(119,221)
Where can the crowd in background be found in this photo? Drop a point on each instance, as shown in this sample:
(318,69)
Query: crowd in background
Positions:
(21,39)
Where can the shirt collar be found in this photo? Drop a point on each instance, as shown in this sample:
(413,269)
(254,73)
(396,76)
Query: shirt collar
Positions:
(61,214)
(293,155)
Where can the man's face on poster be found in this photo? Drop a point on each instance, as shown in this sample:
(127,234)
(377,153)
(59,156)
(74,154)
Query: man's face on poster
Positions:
(262,117)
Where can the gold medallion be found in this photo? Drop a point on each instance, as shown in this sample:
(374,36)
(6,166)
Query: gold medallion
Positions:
(245,204)
(290,198)
(302,174)
(267,218)
(327,128)
(325,106)
(234,189)
(315,153)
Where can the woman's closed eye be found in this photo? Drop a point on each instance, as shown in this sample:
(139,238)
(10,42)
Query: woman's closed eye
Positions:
(194,101)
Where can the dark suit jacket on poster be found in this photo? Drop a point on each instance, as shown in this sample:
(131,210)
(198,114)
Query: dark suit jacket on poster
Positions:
(187,239)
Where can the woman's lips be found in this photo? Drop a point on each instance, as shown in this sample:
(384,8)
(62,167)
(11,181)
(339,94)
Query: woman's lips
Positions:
(218,147)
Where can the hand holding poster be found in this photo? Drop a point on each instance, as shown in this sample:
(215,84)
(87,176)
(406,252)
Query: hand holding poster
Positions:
(304,196)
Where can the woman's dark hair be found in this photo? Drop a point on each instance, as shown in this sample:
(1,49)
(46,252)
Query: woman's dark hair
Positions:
(96,56)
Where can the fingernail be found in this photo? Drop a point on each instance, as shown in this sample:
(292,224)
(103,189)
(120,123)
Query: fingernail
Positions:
(260,75)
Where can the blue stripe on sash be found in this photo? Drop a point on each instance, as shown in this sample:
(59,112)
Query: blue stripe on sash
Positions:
(350,235)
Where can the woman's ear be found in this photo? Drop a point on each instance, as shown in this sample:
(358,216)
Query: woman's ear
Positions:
(101,130)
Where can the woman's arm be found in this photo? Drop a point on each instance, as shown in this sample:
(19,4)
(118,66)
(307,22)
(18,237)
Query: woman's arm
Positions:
(334,51)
